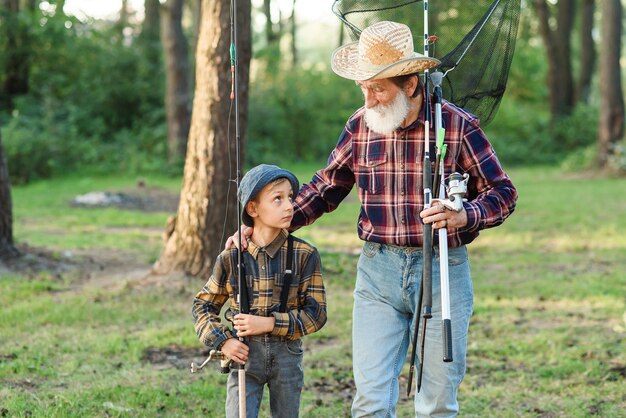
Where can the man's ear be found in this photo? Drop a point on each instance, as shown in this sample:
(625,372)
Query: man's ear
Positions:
(411,86)
(251,209)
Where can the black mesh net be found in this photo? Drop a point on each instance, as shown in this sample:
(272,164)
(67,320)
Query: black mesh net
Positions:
(474,40)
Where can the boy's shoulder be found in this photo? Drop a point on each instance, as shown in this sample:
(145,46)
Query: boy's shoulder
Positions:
(227,257)
(307,251)
(302,244)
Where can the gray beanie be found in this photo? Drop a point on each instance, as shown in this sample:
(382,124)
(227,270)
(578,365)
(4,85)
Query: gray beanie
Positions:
(255,180)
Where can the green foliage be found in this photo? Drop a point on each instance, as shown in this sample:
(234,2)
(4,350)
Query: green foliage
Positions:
(93,101)
(522,135)
(298,115)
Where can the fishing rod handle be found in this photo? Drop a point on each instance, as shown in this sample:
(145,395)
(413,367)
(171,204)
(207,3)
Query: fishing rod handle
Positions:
(447,340)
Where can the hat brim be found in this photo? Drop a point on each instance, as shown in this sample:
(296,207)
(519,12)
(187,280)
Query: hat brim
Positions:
(345,63)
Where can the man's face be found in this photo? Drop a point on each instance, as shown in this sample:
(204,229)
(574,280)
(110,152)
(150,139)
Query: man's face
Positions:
(386,105)
(378,92)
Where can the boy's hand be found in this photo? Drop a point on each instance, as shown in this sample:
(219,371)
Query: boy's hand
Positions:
(252,324)
(235,350)
(233,241)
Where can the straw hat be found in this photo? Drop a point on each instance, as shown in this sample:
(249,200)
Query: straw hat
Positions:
(383,50)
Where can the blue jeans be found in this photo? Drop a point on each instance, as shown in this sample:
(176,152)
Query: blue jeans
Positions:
(273,361)
(385,299)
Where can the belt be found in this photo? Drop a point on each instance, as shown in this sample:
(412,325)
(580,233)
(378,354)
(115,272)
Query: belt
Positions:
(267,338)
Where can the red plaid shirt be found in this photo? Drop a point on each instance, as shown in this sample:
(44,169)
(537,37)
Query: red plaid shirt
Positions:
(387,170)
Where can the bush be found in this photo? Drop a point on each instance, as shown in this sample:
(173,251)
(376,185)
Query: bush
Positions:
(93,103)
(298,115)
(521,134)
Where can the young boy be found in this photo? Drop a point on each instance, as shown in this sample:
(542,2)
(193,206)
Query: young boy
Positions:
(272,351)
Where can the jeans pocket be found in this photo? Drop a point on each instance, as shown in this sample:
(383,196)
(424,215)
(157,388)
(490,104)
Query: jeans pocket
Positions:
(294,347)
(457,256)
(370,249)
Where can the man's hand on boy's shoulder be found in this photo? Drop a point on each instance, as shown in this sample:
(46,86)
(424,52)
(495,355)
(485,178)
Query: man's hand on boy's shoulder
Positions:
(235,350)
(233,240)
(247,325)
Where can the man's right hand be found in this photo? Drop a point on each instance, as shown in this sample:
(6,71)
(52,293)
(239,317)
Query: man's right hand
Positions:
(233,241)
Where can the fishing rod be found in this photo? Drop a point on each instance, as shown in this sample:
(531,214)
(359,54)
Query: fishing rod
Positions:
(242,299)
(444,276)
(456,190)
(242,291)
(426,289)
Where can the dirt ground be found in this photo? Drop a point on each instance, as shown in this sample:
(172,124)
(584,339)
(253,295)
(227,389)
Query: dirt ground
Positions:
(83,265)
(110,269)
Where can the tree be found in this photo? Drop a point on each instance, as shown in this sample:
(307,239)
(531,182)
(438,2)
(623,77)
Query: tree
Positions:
(558,49)
(16,65)
(149,38)
(611,124)
(7,249)
(587,51)
(292,28)
(177,95)
(207,205)
(151,23)
(275,30)
(123,21)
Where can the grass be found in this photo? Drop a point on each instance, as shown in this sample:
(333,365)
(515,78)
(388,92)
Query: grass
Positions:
(547,337)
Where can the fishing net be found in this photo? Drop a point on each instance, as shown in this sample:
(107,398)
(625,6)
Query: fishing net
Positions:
(474,40)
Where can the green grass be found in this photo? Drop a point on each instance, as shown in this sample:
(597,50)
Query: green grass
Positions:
(44,217)
(547,337)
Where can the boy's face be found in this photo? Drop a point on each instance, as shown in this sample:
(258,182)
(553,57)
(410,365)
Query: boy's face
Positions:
(273,205)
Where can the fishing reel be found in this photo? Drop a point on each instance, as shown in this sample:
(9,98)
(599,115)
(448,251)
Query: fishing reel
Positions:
(225,362)
(456,189)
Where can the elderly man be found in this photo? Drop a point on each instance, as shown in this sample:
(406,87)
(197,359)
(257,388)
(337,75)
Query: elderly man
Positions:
(381,151)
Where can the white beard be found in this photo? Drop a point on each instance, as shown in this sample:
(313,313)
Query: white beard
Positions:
(386,119)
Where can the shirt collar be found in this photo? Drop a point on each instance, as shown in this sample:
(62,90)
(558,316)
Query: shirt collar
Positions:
(272,248)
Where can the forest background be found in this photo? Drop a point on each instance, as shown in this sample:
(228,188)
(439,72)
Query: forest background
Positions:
(106,104)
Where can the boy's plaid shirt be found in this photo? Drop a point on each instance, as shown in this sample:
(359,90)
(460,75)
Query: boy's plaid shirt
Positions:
(388,172)
(265,269)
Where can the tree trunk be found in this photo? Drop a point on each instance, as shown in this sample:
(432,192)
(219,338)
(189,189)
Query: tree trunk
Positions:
(611,124)
(270,34)
(292,26)
(31,5)
(122,22)
(177,94)
(207,202)
(17,55)
(587,52)
(273,35)
(151,21)
(558,50)
(7,249)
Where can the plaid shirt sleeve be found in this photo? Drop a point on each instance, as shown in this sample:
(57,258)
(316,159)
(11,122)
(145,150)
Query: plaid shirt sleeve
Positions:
(208,303)
(328,187)
(491,194)
(308,314)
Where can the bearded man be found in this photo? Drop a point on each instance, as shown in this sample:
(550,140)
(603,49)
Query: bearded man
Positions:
(381,151)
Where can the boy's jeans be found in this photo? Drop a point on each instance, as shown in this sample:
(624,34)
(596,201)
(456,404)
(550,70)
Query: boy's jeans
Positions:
(385,299)
(277,363)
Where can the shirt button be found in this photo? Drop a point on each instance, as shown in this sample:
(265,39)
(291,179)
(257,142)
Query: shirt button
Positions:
(402,219)
(402,166)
